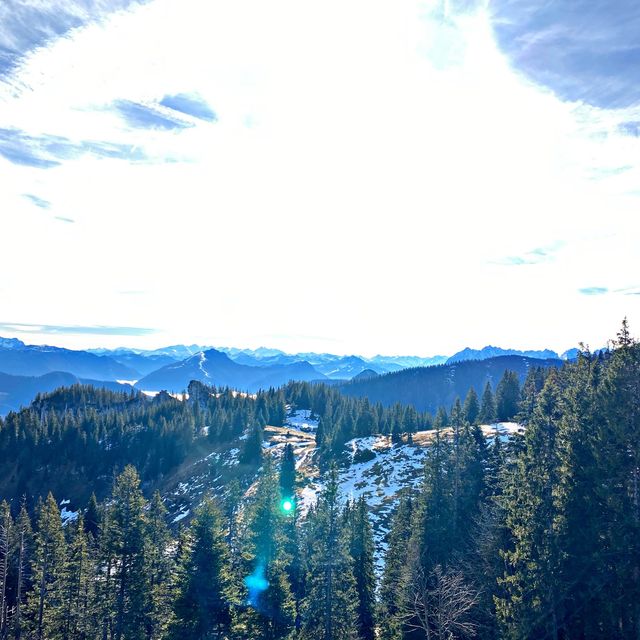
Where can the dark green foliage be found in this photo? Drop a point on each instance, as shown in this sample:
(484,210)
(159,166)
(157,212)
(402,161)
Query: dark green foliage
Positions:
(128,523)
(288,473)
(471,407)
(332,600)
(205,592)
(427,388)
(45,603)
(271,611)
(361,549)
(507,396)
(526,537)
(488,413)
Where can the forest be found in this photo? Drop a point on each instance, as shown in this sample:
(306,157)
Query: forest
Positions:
(532,536)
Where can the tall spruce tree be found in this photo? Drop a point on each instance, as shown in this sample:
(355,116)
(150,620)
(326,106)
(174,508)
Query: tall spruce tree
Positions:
(46,620)
(158,568)
(6,528)
(533,606)
(23,548)
(330,612)
(488,407)
(392,586)
(507,396)
(361,550)
(271,612)
(471,408)
(205,589)
(128,522)
(288,473)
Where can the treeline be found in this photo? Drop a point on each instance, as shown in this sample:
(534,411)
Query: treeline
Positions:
(239,571)
(429,388)
(74,440)
(538,537)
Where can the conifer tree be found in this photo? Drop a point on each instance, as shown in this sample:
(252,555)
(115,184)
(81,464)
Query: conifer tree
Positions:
(129,524)
(158,568)
(507,396)
(92,517)
(23,545)
(271,614)
(331,590)
(618,480)
(251,453)
(6,527)
(392,586)
(533,606)
(45,602)
(78,606)
(205,591)
(361,549)
(488,407)
(471,408)
(288,473)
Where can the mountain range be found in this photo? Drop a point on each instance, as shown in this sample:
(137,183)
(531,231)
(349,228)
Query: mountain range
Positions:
(217,368)
(30,369)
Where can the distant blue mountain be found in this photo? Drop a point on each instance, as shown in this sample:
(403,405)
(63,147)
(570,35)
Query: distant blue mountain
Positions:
(216,368)
(19,359)
(493,352)
(20,391)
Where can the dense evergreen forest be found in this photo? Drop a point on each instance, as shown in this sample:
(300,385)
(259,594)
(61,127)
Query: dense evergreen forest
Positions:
(428,388)
(535,536)
(73,441)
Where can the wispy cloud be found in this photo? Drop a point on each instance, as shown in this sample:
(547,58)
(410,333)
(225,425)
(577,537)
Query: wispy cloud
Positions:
(27,25)
(629,291)
(593,291)
(149,116)
(39,202)
(448,138)
(48,151)
(582,50)
(54,329)
(535,256)
(192,105)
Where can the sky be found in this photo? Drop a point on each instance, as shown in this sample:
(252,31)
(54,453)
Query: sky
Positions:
(349,176)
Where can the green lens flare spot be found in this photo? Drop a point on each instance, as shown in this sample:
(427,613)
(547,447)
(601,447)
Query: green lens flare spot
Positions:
(287,505)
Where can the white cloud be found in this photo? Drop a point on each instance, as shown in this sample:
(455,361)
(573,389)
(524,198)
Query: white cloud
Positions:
(369,164)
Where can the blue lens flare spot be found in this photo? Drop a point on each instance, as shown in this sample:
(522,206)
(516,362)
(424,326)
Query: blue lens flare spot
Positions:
(256,583)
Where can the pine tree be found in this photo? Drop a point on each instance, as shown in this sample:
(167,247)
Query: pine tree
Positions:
(471,408)
(205,591)
(23,545)
(288,473)
(533,606)
(6,527)
(45,601)
(158,569)
(92,517)
(507,396)
(129,526)
(251,453)
(488,408)
(361,549)
(272,611)
(331,590)
(392,587)
(618,481)
(78,606)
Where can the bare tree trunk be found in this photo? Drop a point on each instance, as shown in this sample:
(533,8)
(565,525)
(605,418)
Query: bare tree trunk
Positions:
(4,552)
(19,588)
